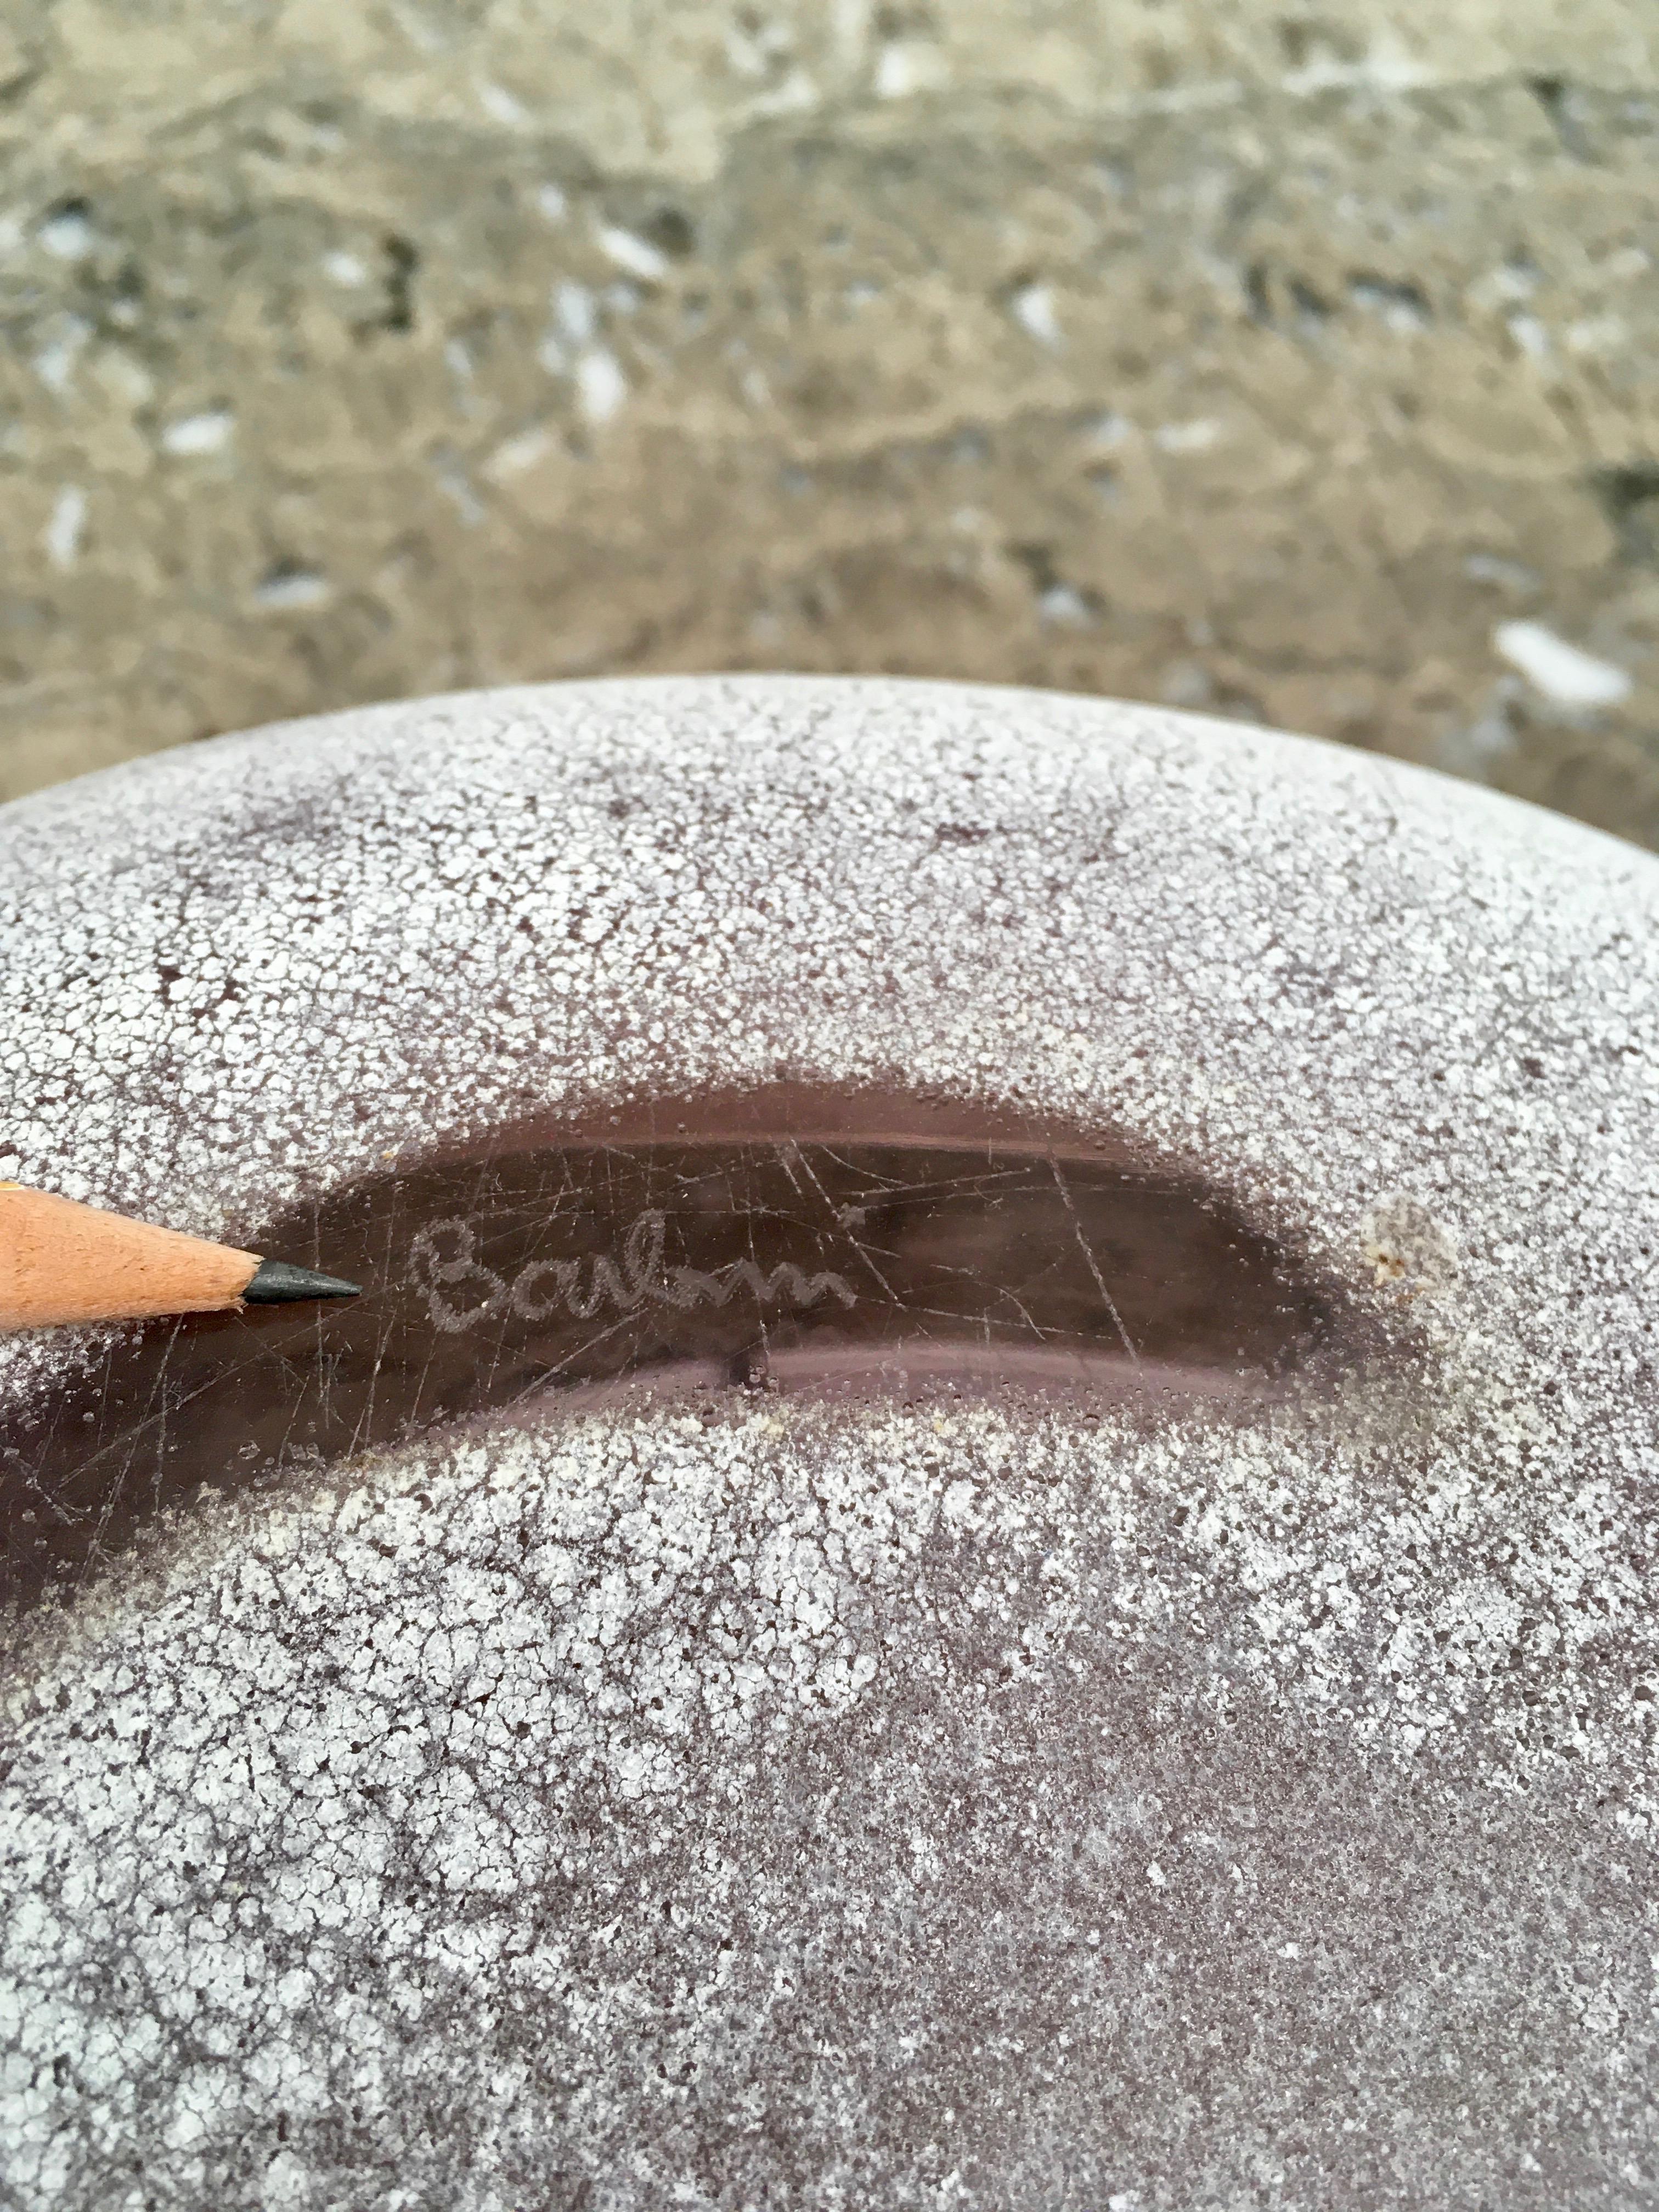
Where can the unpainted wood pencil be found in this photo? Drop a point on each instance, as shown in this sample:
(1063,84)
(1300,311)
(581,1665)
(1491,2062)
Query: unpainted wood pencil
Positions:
(61,1261)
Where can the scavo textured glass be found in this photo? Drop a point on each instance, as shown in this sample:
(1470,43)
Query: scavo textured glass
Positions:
(984,1536)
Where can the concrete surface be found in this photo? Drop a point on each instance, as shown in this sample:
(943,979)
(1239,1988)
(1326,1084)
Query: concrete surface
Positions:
(1295,366)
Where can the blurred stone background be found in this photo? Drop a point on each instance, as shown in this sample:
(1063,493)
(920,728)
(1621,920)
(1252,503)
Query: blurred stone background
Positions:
(1290,363)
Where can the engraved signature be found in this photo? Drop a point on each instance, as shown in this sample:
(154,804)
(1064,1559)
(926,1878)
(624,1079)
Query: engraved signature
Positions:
(460,1292)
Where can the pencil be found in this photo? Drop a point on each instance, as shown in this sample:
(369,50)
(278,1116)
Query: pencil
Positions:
(63,1262)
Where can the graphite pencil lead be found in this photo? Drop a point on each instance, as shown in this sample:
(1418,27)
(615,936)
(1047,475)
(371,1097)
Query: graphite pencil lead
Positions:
(276,1283)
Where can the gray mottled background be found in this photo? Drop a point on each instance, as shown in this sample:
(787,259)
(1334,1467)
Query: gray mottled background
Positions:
(1273,359)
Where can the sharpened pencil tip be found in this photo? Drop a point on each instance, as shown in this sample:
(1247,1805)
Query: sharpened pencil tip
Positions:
(276,1283)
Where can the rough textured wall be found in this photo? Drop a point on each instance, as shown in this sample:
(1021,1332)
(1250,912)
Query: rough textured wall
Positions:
(1298,365)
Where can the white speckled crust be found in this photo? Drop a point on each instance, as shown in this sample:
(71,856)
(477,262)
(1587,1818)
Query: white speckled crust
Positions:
(823,1806)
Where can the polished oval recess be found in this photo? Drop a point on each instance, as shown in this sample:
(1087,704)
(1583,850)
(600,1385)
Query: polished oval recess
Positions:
(873,1245)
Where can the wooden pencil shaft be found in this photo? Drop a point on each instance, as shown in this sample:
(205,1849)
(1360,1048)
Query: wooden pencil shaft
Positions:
(62,1262)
